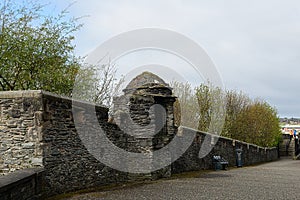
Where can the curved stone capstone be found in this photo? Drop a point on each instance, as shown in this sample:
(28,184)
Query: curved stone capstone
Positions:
(145,78)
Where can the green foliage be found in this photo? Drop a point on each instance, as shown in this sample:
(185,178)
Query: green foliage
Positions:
(185,106)
(235,103)
(97,84)
(246,120)
(211,108)
(197,108)
(257,123)
(36,51)
(204,97)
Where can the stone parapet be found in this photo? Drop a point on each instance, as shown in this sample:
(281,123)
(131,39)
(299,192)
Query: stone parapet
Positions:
(37,129)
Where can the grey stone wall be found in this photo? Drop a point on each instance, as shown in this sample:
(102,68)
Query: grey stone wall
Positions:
(20,130)
(225,147)
(69,165)
(37,129)
(25,184)
(287,146)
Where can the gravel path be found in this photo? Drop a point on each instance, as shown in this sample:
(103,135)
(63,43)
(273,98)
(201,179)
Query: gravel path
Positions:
(275,180)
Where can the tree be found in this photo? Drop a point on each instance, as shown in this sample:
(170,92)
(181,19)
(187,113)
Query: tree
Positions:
(211,108)
(205,107)
(198,108)
(97,84)
(185,106)
(257,123)
(236,102)
(36,51)
(204,97)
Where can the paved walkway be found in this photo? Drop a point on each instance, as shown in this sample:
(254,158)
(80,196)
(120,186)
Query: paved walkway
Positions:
(275,180)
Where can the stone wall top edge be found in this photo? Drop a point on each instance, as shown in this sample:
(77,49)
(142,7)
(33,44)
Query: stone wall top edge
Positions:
(18,175)
(20,94)
(207,133)
(75,102)
(226,138)
(41,93)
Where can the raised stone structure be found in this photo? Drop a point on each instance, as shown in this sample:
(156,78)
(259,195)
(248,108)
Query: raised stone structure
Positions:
(37,129)
(145,111)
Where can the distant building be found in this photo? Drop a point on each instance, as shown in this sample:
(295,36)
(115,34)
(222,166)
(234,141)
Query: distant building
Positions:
(290,127)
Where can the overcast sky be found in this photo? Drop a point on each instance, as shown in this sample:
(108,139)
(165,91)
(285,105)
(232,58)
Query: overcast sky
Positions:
(254,44)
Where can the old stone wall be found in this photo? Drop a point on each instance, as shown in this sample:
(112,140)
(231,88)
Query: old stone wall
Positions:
(20,130)
(225,147)
(68,164)
(38,130)
(25,184)
(287,146)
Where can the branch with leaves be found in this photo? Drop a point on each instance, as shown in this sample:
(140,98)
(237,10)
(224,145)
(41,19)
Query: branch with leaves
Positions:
(36,51)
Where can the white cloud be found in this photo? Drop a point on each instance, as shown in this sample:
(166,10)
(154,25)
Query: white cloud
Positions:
(255,44)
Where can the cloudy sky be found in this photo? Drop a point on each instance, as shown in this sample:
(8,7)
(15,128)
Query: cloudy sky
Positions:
(254,44)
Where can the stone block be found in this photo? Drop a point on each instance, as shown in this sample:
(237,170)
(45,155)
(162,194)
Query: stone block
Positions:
(29,145)
(14,113)
(37,162)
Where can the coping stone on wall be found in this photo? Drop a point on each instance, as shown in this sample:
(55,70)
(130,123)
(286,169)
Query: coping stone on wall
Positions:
(20,94)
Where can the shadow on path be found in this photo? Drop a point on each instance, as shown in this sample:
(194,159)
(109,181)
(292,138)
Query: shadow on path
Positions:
(274,180)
